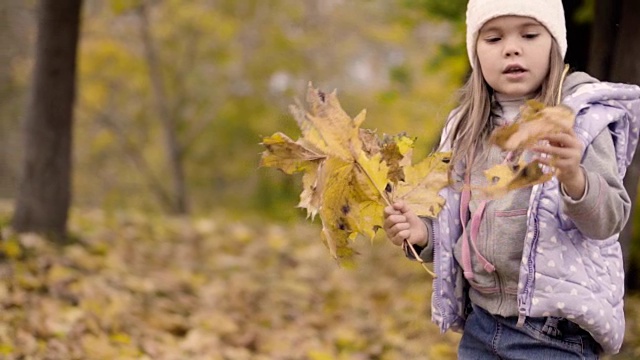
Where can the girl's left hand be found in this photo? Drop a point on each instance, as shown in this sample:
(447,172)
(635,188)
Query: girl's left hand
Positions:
(564,152)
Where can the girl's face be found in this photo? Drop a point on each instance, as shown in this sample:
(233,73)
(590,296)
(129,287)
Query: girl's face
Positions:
(514,55)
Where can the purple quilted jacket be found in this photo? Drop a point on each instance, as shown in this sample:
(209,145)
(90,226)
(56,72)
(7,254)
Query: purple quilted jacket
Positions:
(563,273)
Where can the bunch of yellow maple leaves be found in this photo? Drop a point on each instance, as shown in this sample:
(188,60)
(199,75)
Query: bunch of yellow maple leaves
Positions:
(351,174)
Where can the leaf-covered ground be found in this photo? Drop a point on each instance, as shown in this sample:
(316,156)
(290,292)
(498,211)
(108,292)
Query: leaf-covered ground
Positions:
(142,287)
(136,287)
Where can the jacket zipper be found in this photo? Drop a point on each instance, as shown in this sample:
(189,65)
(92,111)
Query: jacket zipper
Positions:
(530,276)
(437,285)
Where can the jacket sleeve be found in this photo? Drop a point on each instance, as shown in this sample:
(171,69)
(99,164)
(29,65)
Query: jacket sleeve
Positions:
(605,207)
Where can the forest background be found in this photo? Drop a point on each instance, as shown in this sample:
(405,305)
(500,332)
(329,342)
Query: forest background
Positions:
(177,244)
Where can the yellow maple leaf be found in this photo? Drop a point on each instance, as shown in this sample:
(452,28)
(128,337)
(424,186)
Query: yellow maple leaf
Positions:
(327,127)
(348,169)
(288,155)
(351,204)
(422,183)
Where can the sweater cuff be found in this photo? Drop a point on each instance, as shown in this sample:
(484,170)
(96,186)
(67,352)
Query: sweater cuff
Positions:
(568,198)
(589,201)
(426,252)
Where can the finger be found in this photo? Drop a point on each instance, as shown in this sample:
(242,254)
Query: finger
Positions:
(559,163)
(402,235)
(403,207)
(399,206)
(397,234)
(563,140)
(555,151)
(390,210)
(392,220)
(558,136)
(401,227)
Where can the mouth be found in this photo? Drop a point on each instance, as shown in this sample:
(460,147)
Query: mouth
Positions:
(514,69)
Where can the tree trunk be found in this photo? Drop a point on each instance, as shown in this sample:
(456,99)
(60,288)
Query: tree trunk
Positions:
(578,36)
(172,146)
(603,34)
(44,192)
(626,62)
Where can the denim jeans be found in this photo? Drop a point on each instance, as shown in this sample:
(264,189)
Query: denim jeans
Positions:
(489,336)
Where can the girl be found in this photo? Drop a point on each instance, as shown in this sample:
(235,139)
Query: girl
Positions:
(538,273)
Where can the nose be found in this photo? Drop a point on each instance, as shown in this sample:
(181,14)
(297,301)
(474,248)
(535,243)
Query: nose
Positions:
(511,48)
(511,53)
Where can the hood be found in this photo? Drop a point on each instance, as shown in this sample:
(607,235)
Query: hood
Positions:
(575,80)
(600,105)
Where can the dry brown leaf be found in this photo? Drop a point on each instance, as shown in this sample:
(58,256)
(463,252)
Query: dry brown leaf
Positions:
(536,121)
(507,177)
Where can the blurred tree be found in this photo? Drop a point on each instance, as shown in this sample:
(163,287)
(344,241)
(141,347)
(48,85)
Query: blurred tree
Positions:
(226,71)
(15,25)
(44,192)
(173,148)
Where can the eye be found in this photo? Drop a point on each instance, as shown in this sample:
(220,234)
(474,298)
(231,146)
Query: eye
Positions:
(492,39)
(531,36)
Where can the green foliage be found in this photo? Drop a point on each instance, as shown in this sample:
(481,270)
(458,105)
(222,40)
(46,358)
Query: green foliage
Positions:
(586,12)
(122,6)
(451,10)
(230,70)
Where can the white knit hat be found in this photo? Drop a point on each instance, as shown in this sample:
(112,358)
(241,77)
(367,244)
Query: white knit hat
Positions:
(549,13)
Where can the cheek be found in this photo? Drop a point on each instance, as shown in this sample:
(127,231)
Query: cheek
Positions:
(481,55)
(542,58)
(487,64)
(542,66)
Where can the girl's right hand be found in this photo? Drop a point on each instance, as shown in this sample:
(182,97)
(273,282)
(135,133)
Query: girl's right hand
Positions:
(401,223)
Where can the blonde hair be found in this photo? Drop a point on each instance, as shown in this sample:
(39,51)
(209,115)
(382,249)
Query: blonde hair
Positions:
(472,119)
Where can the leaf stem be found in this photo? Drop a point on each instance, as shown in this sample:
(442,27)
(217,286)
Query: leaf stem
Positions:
(418,258)
(388,202)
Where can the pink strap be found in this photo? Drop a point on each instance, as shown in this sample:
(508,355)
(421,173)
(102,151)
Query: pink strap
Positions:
(466,252)
(475,229)
(465,199)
